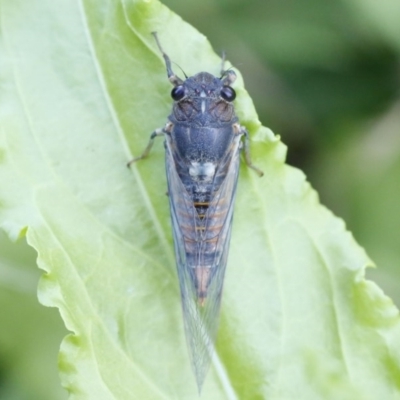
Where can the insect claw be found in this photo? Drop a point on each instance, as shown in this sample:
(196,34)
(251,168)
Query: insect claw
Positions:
(258,170)
(128,164)
(157,132)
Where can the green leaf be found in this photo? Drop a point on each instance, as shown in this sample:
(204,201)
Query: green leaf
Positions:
(30,334)
(83,86)
(366,166)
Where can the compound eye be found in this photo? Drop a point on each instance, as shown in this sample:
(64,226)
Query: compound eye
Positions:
(228,94)
(178,93)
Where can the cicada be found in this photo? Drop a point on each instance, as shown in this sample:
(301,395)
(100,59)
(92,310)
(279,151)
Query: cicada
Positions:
(203,142)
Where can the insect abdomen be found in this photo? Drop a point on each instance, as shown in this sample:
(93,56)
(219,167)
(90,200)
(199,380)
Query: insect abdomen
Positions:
(201,227)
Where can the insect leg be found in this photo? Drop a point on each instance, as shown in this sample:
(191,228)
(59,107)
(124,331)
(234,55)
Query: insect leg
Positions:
(171,76)
(227,76)
(223,63)
(246,149)
(157,132)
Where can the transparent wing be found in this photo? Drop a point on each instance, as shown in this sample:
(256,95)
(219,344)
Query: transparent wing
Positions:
(201,248)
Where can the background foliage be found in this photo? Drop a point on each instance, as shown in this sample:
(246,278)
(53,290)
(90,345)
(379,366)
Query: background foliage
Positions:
(323,75)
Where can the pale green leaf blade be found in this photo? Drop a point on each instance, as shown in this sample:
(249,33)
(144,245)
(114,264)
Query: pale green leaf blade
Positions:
(30,334)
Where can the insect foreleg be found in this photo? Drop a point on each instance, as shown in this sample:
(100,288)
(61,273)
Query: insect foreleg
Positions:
(223,59)
(246,150)
(171,76)
(228,77)
(157,132)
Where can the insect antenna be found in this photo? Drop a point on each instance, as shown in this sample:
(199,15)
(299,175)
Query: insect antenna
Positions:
(183,72)
(171,76)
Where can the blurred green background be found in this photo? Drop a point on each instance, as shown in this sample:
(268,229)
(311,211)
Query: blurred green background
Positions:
(325,75)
